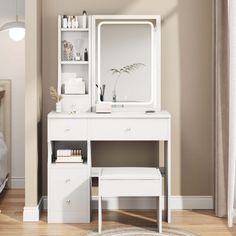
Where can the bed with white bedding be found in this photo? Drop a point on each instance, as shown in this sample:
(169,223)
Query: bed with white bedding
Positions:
(5,127)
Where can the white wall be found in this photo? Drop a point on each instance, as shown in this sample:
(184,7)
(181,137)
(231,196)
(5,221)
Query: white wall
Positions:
(12,66)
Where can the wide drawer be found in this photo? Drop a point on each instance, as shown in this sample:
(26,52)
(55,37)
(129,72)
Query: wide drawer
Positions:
(125,188)
(129,129)
(73,129)
(68,190)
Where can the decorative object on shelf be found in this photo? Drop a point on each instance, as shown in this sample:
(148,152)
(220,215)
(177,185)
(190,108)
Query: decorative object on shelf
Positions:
(126,69)
(69,155)
(64,21)
(78,57)
(84,20)
(85,54)
(68,50)
(54,95)
(76,21)
(69,21)
(103,107)
(74,86)
(102,92)
(16,28)
(72,22)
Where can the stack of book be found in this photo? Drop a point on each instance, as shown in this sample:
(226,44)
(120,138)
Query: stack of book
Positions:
(69,155)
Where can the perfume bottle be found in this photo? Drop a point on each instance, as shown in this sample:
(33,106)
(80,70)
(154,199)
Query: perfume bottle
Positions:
(69,23)
(76,22)
(85,54)
(84,20)
(73,23)
(64,21)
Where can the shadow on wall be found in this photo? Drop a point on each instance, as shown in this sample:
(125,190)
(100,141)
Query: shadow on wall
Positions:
(196,96)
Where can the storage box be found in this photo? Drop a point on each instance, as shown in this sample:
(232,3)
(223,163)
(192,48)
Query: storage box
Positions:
(74,86)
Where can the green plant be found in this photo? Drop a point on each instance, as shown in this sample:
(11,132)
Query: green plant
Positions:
(125,69)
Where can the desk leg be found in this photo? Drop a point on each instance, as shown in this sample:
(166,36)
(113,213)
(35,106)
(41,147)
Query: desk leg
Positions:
(167,151)
(99,214)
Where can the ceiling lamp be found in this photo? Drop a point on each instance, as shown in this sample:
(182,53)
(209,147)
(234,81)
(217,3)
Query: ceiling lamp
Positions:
(16,28)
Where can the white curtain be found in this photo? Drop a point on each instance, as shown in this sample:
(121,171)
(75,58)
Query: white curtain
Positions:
(232,113)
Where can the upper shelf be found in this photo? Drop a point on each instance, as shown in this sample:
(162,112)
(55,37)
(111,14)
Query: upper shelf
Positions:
(75,30)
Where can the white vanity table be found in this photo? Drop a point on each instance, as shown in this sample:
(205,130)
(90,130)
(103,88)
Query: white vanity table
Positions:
(98,127)
(69,184)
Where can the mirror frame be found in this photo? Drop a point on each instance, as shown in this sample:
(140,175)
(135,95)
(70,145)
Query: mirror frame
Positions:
(156,21)
(99,59)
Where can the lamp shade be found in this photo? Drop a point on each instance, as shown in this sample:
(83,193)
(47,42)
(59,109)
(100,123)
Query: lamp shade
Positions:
(16,30)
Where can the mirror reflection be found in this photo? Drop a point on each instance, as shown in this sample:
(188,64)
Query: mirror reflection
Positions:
(125,62)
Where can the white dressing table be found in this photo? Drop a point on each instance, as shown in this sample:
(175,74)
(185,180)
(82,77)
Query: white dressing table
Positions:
(130,46)
(101,127)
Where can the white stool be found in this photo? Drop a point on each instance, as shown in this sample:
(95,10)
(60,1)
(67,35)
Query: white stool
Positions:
(130,182)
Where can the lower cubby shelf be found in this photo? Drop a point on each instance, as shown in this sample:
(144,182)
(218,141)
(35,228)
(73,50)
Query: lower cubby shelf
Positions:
(68,151)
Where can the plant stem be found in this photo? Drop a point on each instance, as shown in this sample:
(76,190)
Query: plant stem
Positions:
(117,78)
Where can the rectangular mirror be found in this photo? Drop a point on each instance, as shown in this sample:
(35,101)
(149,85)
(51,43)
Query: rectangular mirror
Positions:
(125,57)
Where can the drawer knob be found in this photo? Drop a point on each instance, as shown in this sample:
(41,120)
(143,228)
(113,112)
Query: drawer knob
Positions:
(67,180)
(67,130)
(68,202)
(127,129)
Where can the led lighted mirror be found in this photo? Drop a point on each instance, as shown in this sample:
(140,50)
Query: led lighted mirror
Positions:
(125,62)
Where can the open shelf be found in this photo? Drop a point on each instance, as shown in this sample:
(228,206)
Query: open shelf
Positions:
(72,145)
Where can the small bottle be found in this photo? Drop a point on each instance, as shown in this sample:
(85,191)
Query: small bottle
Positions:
(85,54)
(73,22)
(69,23)
(84,20)
(76,22)
(64,21)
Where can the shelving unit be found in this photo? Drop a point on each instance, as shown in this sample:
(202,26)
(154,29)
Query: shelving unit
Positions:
(80,39)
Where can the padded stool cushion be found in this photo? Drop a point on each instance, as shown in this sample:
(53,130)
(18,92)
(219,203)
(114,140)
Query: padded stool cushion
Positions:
(128,173)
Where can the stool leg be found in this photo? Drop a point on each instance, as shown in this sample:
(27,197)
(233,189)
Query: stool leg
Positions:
(159,214)
(100,214)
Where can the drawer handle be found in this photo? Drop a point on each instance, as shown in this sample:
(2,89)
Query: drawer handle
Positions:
(127,129)
(67,130)
(68,202)
(67,180)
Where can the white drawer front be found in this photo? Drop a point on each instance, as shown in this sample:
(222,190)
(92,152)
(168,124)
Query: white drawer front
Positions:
(67,129)
(68,217)
(129,129)
(69,190)
(125,188)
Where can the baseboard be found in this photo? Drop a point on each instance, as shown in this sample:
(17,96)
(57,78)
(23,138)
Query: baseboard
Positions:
(16,182)
(32,214)
(177,203)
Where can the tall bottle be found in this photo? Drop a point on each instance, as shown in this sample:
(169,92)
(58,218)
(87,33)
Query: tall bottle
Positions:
(85,54)
(84,20)
(64,21)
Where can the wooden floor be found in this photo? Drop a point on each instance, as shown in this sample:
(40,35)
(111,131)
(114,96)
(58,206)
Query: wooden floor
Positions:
(202,222)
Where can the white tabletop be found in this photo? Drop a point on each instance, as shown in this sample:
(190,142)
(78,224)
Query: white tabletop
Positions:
(93,115)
